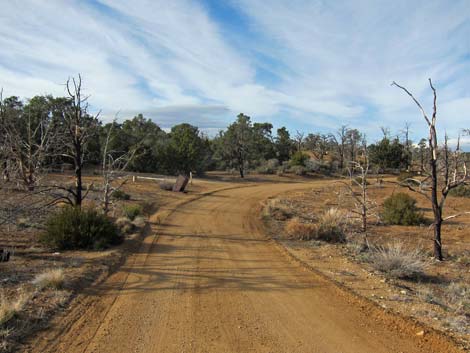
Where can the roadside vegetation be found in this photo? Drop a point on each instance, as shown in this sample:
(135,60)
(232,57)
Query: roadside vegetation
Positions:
(67,194)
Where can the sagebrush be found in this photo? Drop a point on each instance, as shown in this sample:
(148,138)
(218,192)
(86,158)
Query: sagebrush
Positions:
(395,261)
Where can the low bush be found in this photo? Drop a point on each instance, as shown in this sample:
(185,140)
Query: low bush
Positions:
(296,229)
(299,159)
(401,209)
(53,278)
(298,170)
(457,297)
(139,222)
(274,208)
(121,195)
(313,166)
(125,225)
(395,261)
(268,167)
(132,211)
(461,191)
(80,228)
(331,226)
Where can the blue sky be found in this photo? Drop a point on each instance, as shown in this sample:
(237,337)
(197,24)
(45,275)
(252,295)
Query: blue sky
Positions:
(308,65)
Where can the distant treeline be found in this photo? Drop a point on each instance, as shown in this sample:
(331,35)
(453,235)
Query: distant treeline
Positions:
(242,146)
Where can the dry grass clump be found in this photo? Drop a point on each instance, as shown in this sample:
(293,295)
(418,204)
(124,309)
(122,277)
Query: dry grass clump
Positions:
(9,308)
(397,262)
(274,208)
(53,278)
(296,229)
(457,297)
(331,226)
(124,225)
(139,222)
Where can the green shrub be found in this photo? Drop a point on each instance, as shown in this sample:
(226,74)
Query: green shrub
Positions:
(75,228)
(461,191)
(299,159)
(401,209)
(121,195)
(132,211)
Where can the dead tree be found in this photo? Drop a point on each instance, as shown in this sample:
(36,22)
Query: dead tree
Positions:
(113,164)
(341,144)
(407,143)
(443,177)
(358,189)
(27,140)
(299,139)
(78,126)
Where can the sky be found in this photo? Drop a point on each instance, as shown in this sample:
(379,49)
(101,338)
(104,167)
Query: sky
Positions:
(311,65)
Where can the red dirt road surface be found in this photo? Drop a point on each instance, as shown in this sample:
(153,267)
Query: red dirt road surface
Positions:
(208,280)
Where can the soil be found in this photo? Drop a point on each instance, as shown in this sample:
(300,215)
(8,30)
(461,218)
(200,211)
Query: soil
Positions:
(423,299)
(207,279)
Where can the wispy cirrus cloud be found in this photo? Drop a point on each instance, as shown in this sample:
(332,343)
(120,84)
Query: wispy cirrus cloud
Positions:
(310,65)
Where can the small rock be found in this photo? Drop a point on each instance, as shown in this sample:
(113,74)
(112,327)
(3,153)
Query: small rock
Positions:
(420,333)
(403,291)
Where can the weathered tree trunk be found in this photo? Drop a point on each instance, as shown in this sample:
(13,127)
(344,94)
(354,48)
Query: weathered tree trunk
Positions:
(437,241)
(78,175)
(437,211)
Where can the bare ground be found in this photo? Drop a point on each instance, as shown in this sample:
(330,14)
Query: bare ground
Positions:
(431,299)
(208,280)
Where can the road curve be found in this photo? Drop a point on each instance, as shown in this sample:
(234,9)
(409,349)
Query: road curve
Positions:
(208,280)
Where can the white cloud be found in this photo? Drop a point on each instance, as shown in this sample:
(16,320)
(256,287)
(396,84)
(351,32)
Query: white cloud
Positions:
(333,61)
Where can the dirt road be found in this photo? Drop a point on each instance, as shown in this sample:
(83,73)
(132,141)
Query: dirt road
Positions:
(207,280)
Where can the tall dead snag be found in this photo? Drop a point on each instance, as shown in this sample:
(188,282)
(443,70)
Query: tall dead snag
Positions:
(77,127)
(443,176)
(113,164)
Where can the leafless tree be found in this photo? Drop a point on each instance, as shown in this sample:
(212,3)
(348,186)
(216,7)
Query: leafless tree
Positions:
(27,140)
(113,164)
(358,189)
(407,143)
(341,140)
(78,127)
(299,139)
(353,138)
(443,177)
